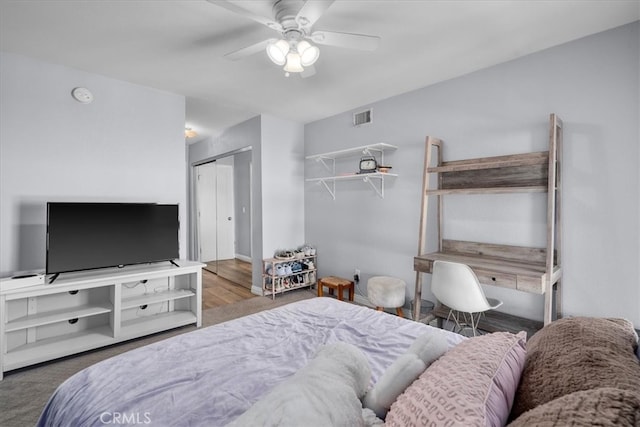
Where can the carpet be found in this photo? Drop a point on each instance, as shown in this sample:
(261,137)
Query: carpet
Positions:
(24,392)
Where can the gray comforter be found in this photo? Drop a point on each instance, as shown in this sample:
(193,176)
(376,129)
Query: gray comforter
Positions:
(211,376)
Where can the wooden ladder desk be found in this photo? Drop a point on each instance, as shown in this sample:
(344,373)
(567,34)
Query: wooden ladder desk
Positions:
(536,270)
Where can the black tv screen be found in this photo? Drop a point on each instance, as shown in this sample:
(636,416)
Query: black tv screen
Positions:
(83,236)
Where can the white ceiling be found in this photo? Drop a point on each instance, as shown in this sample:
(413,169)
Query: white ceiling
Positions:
(179,46)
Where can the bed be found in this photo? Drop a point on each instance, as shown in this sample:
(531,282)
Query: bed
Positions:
(213,375)
(262,370)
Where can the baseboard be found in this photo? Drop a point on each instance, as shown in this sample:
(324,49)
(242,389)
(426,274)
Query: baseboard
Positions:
(362,300)
(243,258)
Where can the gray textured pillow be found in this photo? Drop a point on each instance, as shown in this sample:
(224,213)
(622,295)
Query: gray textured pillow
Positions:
(574,354)
(600,406)
(404,371)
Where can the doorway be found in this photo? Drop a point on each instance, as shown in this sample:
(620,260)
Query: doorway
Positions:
(223,215)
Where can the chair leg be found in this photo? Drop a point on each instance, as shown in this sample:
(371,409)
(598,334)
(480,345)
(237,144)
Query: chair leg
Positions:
(454,315)
(463,320)
(474,323)
(399,312)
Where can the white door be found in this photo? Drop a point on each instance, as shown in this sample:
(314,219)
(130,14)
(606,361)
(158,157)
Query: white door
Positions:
(206,214)
(225,212)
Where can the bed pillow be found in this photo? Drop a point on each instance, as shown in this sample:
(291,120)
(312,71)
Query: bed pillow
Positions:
(429,347)
(600,406)
(577,353)
(327,391)
(472,384)
(403,371)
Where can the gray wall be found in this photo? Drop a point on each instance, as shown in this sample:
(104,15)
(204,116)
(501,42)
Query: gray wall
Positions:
(126,146)
(591,83)
(242,200)
(246,135)
(277,199)
(282,184)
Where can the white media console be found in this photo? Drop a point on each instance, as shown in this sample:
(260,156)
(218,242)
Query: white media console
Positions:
(85,310)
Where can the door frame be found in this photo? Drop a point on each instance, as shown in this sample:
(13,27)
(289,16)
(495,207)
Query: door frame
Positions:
(194,241)
(225,207)
(203,189)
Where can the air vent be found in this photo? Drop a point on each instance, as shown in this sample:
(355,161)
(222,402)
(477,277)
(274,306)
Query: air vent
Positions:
(362,118)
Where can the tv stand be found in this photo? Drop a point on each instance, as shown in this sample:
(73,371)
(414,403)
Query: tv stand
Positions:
(90,309)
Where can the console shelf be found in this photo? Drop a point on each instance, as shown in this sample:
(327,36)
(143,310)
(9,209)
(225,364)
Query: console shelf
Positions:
(87,310)
(52,348)
(31,321)
(147,299)
(157,323)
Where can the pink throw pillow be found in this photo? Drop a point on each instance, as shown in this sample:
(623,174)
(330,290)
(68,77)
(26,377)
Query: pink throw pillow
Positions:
(473,385)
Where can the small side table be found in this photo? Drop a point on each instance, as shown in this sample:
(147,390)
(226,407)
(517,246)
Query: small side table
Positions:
(336,283)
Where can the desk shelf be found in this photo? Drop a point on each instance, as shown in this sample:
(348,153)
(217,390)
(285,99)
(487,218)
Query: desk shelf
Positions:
(534,270)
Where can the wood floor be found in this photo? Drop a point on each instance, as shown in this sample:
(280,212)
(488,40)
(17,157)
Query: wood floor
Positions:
(218,291)
(234,270)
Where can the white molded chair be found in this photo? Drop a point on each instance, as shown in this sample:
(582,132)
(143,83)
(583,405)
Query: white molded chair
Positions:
(456,286)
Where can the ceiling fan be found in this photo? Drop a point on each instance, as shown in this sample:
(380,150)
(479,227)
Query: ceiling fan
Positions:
(294,20)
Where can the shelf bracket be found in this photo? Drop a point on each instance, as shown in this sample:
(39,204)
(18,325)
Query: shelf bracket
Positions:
(331,190)
(379,190)
(331,168)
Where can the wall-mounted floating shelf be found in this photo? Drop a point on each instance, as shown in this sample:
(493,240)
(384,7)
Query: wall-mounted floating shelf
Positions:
(375,179)
(371,178)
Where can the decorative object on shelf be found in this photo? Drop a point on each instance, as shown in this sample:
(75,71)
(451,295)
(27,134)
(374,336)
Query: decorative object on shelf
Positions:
(384,169)
(368,164)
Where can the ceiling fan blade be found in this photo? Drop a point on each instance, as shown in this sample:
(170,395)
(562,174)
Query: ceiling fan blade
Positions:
(269,22)
(249,50)
(308,71)
(348,40)
(311,11)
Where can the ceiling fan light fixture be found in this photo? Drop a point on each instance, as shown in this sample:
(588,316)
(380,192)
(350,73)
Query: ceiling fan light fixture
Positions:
(308,53)
(293,63)
(277,51)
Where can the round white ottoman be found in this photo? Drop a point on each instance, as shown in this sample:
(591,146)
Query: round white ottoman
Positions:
(384,291)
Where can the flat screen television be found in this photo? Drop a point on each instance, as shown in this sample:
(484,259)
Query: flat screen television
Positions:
(84,236)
